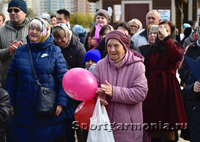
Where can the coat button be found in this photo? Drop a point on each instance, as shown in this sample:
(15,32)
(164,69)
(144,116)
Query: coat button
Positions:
(70,56)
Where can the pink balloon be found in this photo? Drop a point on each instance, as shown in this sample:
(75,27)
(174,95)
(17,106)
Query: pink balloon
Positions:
(79,84)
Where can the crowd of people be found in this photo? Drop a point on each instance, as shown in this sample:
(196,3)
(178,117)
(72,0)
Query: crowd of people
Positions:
(135,67)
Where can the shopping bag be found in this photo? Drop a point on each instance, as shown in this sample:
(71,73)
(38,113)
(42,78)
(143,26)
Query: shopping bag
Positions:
(100,127)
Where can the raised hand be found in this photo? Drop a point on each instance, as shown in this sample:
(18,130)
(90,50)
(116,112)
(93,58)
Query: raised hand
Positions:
(162,32)
(13,46)
(197,87)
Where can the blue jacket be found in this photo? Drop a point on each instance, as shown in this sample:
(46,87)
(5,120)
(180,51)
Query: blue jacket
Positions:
(27,125)
(195,124)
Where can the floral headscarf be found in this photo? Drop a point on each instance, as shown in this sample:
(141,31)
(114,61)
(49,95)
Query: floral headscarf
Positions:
(68,32)
(45,29)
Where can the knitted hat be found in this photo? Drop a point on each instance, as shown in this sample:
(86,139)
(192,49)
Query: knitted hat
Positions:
(18,3)
(186,25)
(105,13)
(93,54)
(120,36)
(78,29)
(46,16)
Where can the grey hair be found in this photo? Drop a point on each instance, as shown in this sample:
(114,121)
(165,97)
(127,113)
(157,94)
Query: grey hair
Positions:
(36,23)
(157,14)
(109,41)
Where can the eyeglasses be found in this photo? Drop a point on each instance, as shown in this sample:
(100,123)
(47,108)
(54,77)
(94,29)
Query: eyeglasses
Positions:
(133,26)
(15,10)
(59,38)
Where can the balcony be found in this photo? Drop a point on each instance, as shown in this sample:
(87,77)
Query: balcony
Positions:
(93,0)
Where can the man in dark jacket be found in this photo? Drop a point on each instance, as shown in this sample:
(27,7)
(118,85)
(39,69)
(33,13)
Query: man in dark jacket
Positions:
(5,112)
(63,16)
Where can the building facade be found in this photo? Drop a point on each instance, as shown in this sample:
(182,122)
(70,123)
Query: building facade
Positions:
(54,5)
(51,6)
(177,11)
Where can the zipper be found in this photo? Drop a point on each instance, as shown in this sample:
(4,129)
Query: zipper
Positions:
(115,85)
(16,34)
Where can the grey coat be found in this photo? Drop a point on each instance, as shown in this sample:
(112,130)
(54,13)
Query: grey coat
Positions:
(8,34)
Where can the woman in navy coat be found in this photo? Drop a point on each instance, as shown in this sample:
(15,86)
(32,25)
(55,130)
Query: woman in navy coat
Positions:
(26,124)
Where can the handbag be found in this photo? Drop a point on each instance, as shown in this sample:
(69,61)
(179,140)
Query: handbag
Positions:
(100,127)
(46,96)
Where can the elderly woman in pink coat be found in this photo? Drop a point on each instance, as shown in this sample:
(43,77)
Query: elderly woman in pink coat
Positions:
(123,87)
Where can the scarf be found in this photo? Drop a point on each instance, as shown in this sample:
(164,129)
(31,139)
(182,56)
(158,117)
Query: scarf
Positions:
(68,32)
(45,30)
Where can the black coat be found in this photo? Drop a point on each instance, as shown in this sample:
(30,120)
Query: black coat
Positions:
(195,124)
(144,48)
(5,111)
(74,54)
(192,52)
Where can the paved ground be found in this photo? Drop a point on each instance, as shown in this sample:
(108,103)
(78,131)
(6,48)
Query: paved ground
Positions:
(180,139)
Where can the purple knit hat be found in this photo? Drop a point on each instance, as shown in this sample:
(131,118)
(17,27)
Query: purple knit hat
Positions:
(123,38)
(105,13)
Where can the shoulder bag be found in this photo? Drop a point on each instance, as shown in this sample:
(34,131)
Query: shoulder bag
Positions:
(46,96)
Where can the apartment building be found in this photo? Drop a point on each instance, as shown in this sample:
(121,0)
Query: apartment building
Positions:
(51,6)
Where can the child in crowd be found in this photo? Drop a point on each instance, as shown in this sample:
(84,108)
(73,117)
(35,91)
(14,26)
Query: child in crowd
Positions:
(91,59)
(104,31)
(80,32)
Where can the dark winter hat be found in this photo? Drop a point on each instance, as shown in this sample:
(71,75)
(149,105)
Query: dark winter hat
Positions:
(18,3)
(190,22)
(120,36)
(104,13)
(93,54)
(187,32)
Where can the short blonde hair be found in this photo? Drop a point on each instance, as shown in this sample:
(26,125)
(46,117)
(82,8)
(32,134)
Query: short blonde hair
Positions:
(137,22)
(134,21)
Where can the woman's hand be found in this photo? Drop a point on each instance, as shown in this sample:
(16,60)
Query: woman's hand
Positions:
(107,88)
(58,110)
(162,32)
(102,97)
(92,42)
(197,87)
